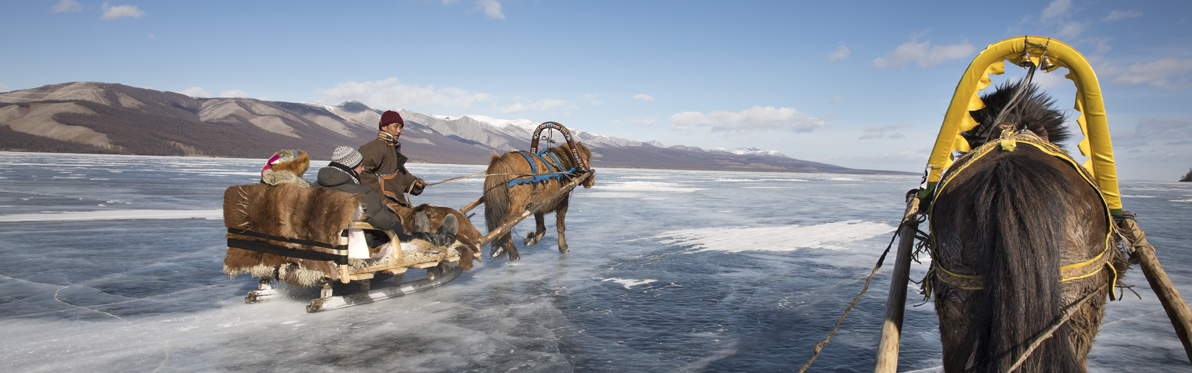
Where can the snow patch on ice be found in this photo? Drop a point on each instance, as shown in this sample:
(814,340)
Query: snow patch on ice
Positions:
(1182,200)
(629,283)
(114,215)
(830,236)
(646,186)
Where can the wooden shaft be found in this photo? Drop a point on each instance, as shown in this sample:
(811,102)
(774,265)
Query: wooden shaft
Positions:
(472,205)
(887,349)
(1173,303)
(529,211)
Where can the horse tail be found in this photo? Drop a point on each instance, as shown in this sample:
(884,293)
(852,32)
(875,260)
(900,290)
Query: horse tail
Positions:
(1022,214)
(496,191)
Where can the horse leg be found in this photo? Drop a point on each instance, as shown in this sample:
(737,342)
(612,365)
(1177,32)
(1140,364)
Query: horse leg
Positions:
(561,213)
(539,230)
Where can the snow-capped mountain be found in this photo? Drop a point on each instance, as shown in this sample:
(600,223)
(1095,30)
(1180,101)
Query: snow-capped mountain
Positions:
(89,117)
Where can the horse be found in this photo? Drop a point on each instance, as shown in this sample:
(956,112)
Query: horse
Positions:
(518,180)
(1022,242)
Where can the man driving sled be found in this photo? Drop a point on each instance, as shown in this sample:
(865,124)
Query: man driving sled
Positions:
(344,174)
(385,166)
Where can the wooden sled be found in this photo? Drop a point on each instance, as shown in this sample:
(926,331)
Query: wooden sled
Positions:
(302,236)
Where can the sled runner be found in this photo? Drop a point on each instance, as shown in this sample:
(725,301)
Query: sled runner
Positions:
(308,237)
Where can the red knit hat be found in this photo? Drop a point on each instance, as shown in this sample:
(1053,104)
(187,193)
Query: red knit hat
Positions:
(391,116)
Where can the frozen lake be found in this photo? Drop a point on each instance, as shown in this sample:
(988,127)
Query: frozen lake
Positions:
(114,263)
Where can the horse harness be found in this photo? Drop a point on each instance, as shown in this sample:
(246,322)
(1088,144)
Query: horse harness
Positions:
(1009,141)
(554,170)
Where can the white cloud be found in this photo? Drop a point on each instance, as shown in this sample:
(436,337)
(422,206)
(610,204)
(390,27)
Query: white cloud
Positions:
(924,54)
(540,105)
(1167,73)
(593,99)
(890,131)
(151,36)
(390,93)
(840,53)
(755,118)
(121,11)
(1055,9)
(644,97)
(66,6)
(1122,14)
(835,99)
(195,92)
(1157,131)
(491,8)
(233,93)
(1070,30)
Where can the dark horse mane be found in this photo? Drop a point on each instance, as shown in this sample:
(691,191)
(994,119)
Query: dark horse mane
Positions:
(1032,111)
(1013,218)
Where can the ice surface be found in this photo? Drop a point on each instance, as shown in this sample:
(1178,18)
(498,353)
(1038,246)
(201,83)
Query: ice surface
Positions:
(114,264)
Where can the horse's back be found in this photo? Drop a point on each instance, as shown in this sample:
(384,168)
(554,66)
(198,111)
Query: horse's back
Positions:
(1014,218)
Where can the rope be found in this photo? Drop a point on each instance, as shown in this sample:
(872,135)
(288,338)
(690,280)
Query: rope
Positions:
(1054,326)
(820,346)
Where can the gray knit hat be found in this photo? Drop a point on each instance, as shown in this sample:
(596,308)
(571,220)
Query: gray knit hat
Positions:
(346,156)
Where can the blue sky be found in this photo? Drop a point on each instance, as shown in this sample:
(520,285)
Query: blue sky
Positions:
(855,84)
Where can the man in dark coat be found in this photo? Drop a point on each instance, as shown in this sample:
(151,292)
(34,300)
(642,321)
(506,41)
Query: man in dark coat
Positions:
(385,166)
(343,174)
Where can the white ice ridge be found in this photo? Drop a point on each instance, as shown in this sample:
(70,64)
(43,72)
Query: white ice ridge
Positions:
(114,215)
(628,283)
(830,236)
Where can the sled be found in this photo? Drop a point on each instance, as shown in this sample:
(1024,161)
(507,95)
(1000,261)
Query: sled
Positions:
(1047,55)
(314,244)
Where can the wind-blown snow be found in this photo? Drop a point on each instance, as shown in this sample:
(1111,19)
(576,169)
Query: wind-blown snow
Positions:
(830,236)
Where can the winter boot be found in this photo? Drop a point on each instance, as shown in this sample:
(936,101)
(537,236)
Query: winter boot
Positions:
(447,231)
(422,228)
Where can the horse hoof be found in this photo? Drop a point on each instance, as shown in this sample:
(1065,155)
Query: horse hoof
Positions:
(497,253)
(530,241)
(564,249)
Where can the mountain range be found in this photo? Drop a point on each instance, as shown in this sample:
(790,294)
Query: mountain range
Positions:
(90,117)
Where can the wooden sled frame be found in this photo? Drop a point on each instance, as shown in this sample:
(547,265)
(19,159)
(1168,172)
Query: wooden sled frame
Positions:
(442,267)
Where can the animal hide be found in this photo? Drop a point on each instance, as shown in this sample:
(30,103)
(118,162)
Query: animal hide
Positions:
(289,211)
(467,237)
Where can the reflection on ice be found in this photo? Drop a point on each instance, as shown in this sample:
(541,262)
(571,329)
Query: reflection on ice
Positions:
(114,214)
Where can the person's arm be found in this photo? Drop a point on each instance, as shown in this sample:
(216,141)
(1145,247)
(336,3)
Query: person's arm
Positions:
(368,176)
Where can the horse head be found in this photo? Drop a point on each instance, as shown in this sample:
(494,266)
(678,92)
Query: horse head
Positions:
(584,153)
(1031,110)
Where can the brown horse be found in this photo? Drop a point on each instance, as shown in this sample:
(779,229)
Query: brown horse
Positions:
(1021,239)
(518,180)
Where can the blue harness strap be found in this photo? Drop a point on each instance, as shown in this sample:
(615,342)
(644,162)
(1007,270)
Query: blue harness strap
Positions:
(554,171)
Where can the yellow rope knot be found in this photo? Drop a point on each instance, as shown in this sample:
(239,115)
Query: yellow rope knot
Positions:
(1007,140)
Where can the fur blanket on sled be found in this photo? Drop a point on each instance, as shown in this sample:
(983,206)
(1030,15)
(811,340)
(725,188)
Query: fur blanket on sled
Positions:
(290,211)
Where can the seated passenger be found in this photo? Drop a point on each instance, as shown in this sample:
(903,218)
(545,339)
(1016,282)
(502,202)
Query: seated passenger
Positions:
(286,167)
(343,174)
